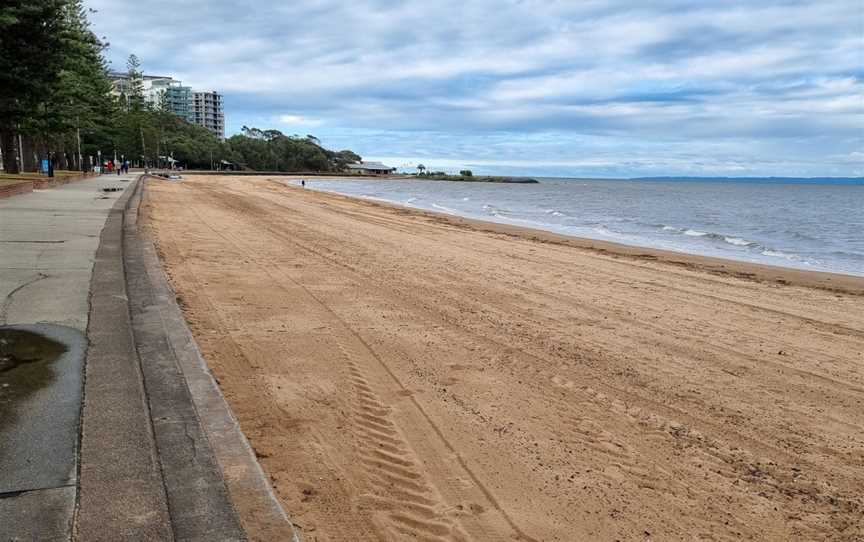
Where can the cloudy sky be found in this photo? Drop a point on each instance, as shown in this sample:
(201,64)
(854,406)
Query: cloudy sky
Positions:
(576,87)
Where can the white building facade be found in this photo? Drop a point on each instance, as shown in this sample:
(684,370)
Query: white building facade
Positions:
(207,109)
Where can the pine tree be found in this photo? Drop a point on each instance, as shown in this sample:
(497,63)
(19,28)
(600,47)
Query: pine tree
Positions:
(31,52)
(135,89)
(79,102)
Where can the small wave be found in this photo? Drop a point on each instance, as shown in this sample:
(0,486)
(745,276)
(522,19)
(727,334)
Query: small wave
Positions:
(466,199)
(376,198)
(735,241)
(554,212)
(779,254)
(495,211)
(445,209)
(411,200)
(603,229)
(738,242)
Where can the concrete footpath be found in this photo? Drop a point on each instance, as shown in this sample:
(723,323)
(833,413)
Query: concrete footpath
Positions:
(111,427)
(48,240)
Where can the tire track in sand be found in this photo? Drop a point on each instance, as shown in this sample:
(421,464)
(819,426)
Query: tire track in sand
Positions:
(405,524)
(401,497)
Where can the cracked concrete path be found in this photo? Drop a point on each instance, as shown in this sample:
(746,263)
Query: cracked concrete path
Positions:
(48,243)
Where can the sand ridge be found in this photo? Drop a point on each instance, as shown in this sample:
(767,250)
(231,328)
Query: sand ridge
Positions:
(407,375)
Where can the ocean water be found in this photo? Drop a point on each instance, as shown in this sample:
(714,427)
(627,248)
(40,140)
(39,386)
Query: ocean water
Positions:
(806,226)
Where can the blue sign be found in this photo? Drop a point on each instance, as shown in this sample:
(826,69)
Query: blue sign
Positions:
(45,166)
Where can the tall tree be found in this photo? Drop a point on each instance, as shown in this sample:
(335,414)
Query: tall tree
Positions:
(137,129)
(30,61)
(80,100)
(135,88)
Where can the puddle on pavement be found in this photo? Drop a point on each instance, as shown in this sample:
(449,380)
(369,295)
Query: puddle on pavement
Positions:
(26,365)
(19,347)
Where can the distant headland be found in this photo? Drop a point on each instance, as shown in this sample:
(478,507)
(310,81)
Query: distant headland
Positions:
(466,175)
(759,180)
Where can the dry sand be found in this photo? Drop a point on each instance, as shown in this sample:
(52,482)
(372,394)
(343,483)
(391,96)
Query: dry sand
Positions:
(404,375)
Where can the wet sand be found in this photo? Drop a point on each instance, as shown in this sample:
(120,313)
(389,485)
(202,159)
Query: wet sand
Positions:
(407,375)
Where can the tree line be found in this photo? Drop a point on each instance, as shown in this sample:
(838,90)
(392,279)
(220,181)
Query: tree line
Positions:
(271,150)
(56,103)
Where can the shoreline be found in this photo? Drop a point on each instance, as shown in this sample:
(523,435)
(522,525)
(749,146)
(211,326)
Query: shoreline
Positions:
(826,280)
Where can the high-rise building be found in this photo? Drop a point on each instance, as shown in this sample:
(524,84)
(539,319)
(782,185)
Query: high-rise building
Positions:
(202,108)
(208,112)
(172,96)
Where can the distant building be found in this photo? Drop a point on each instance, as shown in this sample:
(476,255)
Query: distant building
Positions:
(173,96)
(208,111)
(370,168)
(201,108)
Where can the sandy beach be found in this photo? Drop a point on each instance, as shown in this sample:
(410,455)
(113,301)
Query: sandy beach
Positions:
(406,375)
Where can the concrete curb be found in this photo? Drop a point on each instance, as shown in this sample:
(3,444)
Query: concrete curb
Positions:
(161,456)
(198,500)
(259,511)
(121,496)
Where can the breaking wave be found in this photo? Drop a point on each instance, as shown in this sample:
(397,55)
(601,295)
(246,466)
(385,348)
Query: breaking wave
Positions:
(729,239)
(445,209)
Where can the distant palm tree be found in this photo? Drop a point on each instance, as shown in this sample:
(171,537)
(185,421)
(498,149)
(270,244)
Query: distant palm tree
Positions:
(421,168)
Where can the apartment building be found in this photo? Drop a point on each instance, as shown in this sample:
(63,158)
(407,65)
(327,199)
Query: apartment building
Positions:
(173,96)
(202,108)
(208,112)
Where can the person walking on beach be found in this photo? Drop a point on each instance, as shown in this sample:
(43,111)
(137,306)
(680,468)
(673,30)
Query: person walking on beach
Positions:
(303,183)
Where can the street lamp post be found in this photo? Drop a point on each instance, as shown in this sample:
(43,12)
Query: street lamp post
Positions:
(20,152)
(80,157)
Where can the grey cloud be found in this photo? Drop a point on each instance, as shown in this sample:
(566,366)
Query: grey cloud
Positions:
(668,70)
